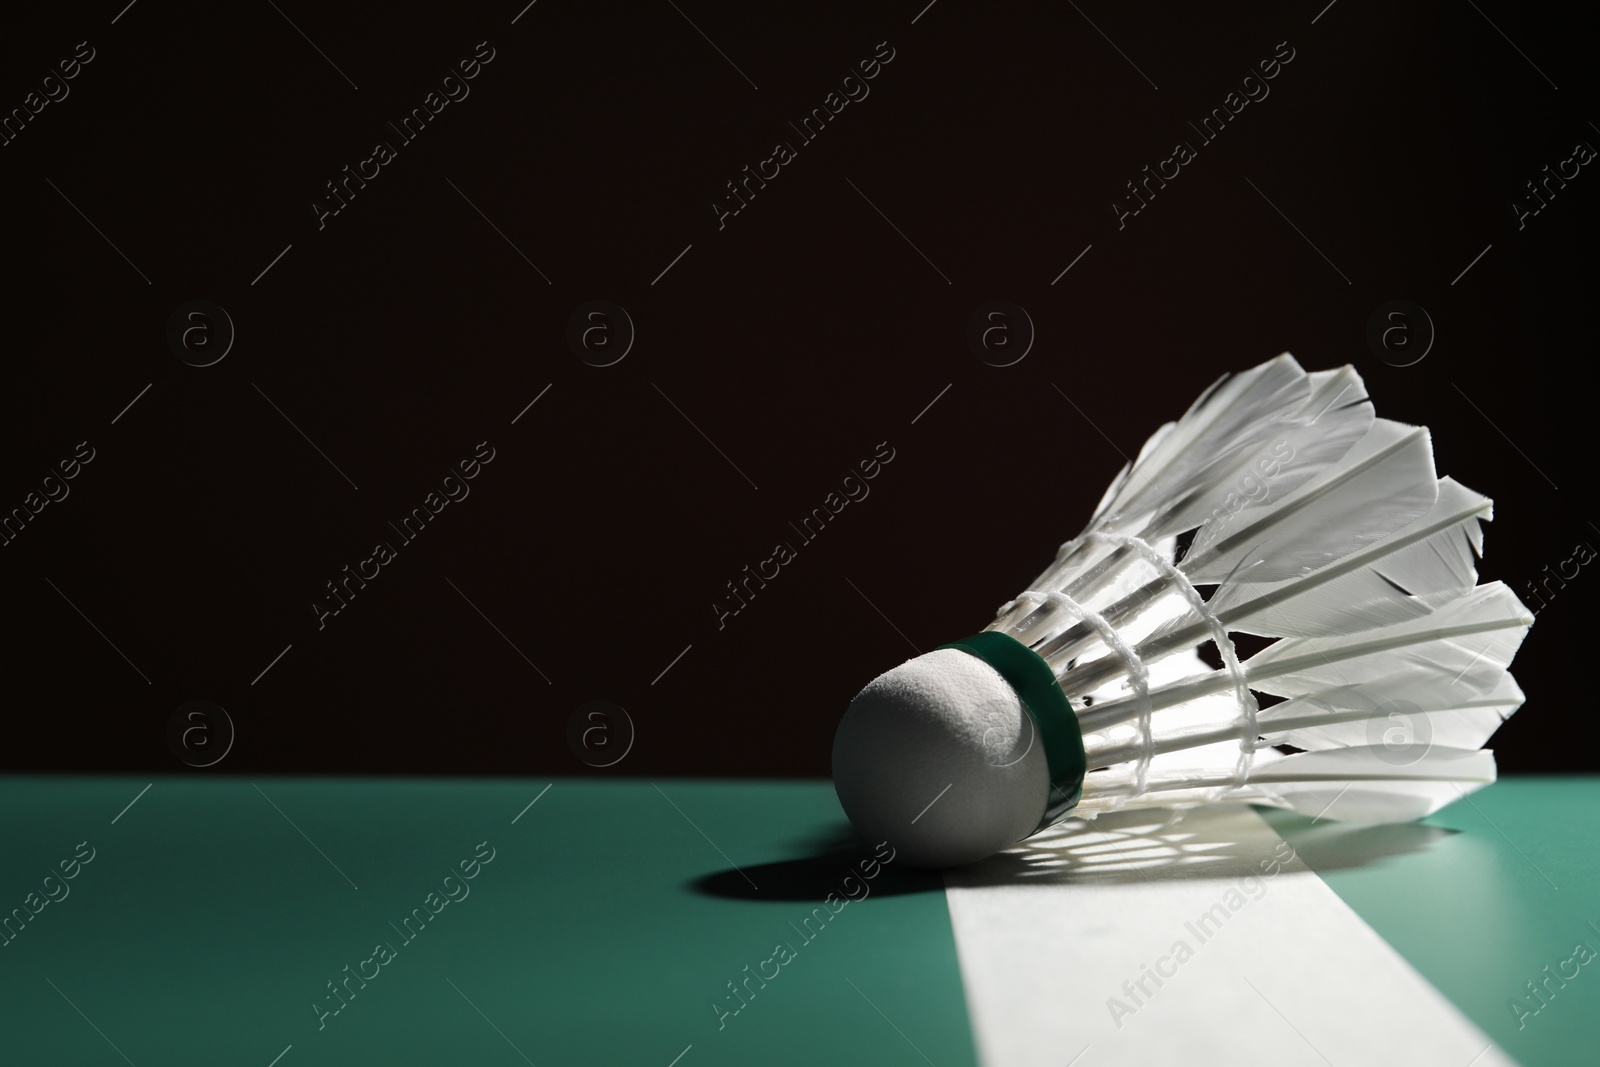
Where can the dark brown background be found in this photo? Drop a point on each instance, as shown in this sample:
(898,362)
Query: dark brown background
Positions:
(797,338)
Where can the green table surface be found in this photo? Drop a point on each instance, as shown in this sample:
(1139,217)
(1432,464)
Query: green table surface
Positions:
(613,916)
(1480,898)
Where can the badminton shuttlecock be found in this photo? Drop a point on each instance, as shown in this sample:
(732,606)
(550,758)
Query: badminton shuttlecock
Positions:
(1279,507)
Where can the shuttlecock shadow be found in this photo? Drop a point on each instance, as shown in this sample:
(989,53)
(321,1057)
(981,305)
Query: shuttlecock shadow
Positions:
(834,853)
(1226,841)
(1220,842)
(1332,846)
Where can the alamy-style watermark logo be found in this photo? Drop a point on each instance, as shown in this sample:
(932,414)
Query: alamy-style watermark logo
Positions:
(853,887)
(451,489)
(1137,991)
(1000,333)
(1400,733)
(200,733)
(11,926)
(55,489)
(1553,582)
(451,88)
(1400,333)
(1542,190)
(385,952)
(53,89)
(600,332)
(851,488)
(600,733)
(1252,89)
(200,333)
(1008,731)
(1255,487)
(852,89)
(1541,994)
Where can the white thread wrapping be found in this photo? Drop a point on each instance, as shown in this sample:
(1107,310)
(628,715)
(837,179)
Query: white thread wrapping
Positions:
(1219,634)
(1137,676)
(1062,553)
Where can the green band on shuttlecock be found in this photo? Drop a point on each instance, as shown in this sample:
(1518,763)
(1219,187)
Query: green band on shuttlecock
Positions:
(1035,684)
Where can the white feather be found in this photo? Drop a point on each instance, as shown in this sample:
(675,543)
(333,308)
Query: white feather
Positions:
(1386,478)
(1258,466)
(1293,448)
(1360,785)
(1401,711)
(1230,408)
(1471,639)
(1323,527)
(1121,479)
(1415,709)
(1426,562)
